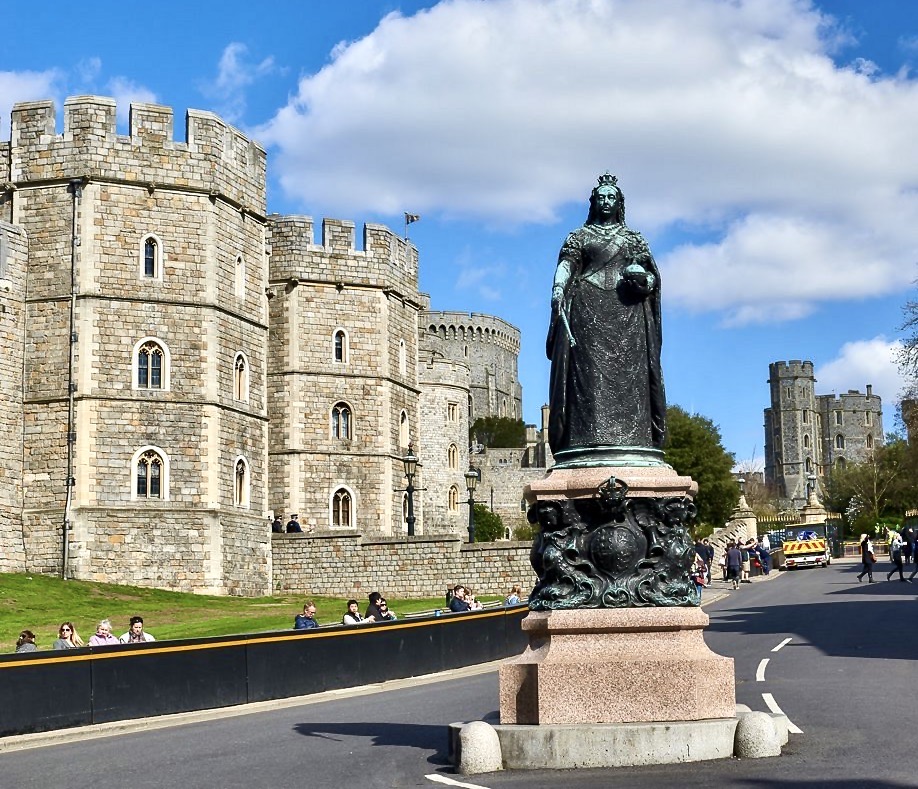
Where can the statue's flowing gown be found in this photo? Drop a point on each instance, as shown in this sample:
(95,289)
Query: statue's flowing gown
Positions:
(607,390)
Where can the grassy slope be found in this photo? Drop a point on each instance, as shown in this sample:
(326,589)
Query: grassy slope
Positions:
(40,603)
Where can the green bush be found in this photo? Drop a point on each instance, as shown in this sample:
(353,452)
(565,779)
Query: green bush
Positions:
(525,533)
(488,525)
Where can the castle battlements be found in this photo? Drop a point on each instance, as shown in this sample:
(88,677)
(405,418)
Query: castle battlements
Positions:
(436,370)
(790,369)
(386,260)
(472,327)
(215,158)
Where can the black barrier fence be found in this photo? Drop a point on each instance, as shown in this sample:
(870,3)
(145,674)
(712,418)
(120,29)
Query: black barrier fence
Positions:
(41,691)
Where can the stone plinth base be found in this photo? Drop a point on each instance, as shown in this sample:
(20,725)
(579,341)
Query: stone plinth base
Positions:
(579,483)
(620,665)
(564,747)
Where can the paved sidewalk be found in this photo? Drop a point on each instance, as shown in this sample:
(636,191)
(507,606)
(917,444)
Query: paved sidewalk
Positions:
(718,589)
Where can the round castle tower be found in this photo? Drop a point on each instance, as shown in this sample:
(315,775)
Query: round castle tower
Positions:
(491,348)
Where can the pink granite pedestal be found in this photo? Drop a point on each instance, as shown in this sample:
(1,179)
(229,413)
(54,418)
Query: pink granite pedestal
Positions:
(616,666)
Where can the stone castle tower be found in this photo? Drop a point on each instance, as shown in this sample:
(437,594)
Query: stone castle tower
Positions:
(343,373)
(178,365)
(491,347)
(144,416)
(807,435)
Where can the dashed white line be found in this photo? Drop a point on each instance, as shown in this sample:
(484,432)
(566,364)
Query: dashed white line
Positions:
(760,671)
(784,643)
(442,779)
(773,706)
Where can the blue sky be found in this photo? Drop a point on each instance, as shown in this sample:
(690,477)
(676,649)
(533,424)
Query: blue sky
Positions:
(765,148)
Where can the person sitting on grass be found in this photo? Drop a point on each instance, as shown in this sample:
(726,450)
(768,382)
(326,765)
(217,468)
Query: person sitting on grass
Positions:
(136,634)
(385,615)
(26,642)
(306,620)
(67,637)
(352,615)
(103,635)
(373,607)
(458,602)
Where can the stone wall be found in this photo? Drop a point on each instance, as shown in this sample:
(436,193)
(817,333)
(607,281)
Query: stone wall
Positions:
(351,565)
(13,254)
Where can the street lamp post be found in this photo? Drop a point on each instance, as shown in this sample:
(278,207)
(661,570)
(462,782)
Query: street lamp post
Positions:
(472,476)
(810,485)
(410,462)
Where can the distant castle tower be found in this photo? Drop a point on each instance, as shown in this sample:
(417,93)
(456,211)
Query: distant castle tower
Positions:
(808,435)
(491,348)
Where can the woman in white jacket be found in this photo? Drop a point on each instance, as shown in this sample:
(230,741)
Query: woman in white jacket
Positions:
(895,554)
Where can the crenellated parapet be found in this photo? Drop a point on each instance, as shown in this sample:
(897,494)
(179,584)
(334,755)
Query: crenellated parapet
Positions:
(215,158)
(471,327)
(792,369)
(386,260)
(436,370)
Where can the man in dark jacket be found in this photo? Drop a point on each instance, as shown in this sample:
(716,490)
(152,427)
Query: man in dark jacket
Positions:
(306,620)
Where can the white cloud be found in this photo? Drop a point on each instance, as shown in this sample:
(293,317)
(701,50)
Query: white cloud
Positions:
(860,363)
(235,73)
(124,91)
(18,86)
(727,115)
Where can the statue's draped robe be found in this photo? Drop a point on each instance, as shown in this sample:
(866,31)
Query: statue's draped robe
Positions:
(608,389)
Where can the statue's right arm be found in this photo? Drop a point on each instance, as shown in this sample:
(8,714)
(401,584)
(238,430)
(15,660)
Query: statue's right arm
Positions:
(570,253)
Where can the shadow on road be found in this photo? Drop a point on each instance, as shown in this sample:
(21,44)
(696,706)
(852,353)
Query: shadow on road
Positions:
(873,623)
(406,735)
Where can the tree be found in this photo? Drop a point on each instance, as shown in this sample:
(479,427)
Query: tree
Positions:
(488,525)
(881,487)
(498,432)
(693,447)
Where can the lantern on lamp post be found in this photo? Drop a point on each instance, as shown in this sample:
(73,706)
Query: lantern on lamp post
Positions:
(410,462)
(472,478)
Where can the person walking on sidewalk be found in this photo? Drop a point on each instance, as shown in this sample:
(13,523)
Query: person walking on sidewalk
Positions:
(734,564)
(895,555)
(867,559)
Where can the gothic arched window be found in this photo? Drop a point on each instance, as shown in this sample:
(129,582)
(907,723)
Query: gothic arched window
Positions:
(150,471)
(341,421)
(342,508)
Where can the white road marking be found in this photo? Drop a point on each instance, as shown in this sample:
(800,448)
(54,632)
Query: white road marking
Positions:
(773,706)
(442,779)
(760,671)
(784,643)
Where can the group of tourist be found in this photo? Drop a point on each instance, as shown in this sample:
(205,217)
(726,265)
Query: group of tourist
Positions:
(458,599)
(901,552)
(736,562)
(377,611)
(68,638)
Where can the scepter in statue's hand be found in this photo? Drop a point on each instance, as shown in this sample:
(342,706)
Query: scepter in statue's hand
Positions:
(557,303)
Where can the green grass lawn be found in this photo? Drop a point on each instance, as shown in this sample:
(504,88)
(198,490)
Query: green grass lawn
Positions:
(40,603)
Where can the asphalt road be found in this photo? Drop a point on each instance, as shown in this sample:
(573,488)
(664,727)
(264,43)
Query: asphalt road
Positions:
(840,663)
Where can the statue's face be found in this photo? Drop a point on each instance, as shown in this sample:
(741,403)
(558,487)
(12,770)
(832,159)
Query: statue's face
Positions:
(606,200)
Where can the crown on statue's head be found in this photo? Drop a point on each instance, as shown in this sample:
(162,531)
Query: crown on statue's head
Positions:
(607,179)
